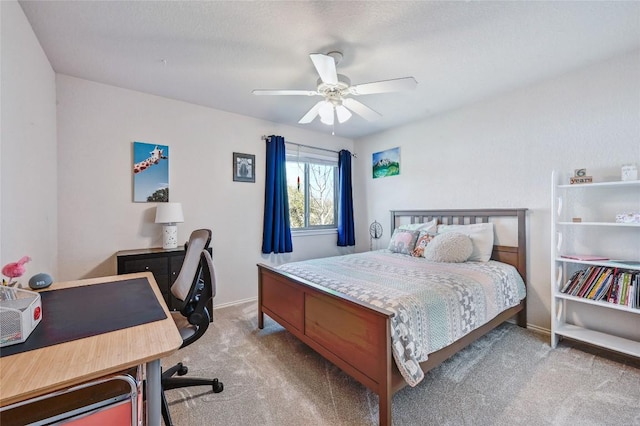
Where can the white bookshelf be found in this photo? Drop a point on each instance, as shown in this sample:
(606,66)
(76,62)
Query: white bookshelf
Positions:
(597,233)
(619,225)
(597,338)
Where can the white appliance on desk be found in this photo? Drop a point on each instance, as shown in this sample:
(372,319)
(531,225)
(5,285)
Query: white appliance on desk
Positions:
(20,313)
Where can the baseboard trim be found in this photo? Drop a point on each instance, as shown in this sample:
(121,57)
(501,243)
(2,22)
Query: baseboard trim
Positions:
(534,328)
(540,330)
(235,302)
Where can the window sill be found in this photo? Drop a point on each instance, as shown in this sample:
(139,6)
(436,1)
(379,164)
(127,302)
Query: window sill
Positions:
(310,232)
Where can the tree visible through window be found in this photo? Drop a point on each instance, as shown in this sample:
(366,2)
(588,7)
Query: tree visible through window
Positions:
(311,186)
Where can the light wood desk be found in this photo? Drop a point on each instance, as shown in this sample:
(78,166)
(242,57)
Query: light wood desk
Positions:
(30,374)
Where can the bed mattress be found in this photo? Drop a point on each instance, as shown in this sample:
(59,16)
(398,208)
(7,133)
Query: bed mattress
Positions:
(434,304)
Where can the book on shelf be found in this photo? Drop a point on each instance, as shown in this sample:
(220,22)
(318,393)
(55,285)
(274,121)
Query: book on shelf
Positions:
(585,257)
(597,282)
(593,282)
(631,299)
(574,282)
(571,281)
(613,291)
(580,282)
(606,284)
(577,281)
(624,289)
(588,283)
(604,289)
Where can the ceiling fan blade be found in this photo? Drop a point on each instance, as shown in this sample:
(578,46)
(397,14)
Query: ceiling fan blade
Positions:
(385,86)
(326,67)
(311,114)
(285,92)
(361,109)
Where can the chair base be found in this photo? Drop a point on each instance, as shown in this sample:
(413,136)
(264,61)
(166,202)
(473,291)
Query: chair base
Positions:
(169,382)
(183,382)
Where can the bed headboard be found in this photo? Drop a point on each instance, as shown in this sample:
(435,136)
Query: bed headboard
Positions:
(514,254)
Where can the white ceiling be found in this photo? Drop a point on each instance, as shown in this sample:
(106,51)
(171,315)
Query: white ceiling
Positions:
(214,53)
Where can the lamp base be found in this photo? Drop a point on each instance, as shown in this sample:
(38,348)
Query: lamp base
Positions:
(169,236)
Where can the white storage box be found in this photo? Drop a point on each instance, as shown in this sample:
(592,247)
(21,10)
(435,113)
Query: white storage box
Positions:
(628,218)
(20,313)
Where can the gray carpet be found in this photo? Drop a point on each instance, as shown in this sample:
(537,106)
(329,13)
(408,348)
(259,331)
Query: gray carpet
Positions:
(511,376)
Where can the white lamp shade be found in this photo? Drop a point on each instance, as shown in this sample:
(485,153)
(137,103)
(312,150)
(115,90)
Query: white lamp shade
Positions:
(343,113)
(326,113)
(169,213)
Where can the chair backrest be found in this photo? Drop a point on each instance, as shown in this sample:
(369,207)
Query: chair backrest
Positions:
(202,289)
(195,309)
(185,286)
(208,272)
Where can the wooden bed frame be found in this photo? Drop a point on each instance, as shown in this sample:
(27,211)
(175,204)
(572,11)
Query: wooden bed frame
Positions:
(354,335)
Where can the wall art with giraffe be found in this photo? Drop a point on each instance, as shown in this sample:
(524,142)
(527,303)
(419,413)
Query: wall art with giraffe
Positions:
(150,172)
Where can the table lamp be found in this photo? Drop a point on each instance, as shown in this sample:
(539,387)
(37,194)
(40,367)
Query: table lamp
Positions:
(169,214)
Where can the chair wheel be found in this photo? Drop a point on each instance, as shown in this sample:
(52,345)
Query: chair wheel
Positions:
(182,370)
(217,386)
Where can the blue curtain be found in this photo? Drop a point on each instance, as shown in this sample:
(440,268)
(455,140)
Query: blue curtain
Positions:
(276,234)
(346,233)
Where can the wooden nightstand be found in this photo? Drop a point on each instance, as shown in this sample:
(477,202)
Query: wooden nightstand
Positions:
(165,265)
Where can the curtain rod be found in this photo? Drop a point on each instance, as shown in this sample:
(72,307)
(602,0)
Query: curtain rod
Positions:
(264,138)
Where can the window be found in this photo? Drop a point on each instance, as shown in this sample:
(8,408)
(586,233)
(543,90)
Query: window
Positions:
(312,190)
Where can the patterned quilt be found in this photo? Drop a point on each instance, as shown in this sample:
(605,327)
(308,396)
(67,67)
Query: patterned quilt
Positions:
(434,304)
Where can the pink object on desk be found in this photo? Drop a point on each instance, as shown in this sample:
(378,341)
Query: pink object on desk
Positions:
(15,269)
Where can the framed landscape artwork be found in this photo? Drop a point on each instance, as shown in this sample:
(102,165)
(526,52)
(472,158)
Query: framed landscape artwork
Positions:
(386,163)
(150,172)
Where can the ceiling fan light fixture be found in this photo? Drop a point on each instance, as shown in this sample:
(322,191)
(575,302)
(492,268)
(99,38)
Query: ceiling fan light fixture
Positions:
(326,108)
(328,119)
(343,113)
(326,113)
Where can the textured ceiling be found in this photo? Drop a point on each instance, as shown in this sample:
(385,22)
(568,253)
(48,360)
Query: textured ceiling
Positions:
(215,53)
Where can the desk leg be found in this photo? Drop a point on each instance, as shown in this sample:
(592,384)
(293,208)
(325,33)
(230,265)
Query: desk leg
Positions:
(153,390)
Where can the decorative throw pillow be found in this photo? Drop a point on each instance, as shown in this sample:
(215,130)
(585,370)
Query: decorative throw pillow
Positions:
(403,241)
(452,247)
(423,239)
(481,235)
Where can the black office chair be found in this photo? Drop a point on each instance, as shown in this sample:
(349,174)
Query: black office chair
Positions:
(194,287)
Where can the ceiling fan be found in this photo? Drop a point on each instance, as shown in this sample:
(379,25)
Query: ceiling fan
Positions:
(336,88)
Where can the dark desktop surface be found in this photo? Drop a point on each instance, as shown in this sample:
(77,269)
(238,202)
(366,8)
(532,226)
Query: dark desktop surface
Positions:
(75,313)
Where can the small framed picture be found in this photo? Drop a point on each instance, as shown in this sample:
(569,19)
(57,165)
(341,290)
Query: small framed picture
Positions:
(244,167)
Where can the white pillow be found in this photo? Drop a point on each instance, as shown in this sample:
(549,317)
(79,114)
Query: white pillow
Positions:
(452,247)
(430,226)
(481,235)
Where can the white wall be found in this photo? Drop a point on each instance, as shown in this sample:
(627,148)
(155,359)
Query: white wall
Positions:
(28,153)
(500,153)
(97,125)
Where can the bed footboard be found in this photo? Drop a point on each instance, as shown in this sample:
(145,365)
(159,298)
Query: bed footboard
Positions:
(354,336)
